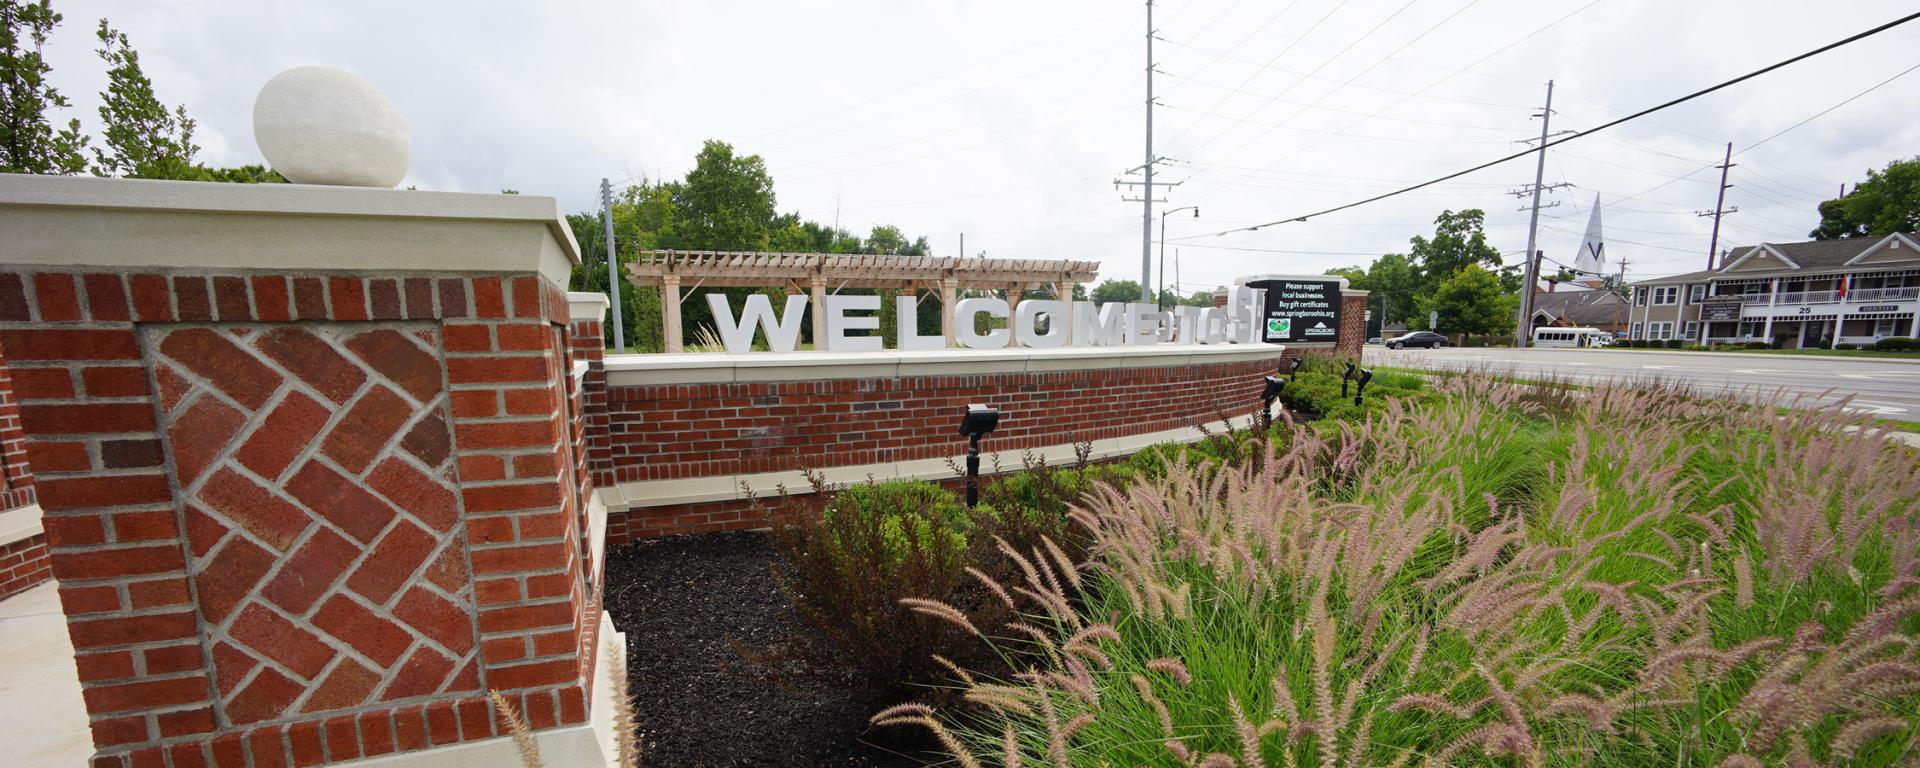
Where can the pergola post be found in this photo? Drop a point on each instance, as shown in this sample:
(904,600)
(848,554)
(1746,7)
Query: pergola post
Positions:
(1063,291)
(1014,293)
(949,291)
(670,312)
(819,285)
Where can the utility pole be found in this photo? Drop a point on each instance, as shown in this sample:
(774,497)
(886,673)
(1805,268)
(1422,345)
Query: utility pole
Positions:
(1531,271)
(1713,246)
(1147,183)
(1146,200)
(963,245)
(1620,288)
(613,266)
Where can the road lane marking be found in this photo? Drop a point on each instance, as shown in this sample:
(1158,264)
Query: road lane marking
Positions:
(1879,409)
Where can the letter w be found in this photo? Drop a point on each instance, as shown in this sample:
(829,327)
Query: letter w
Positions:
(783,333)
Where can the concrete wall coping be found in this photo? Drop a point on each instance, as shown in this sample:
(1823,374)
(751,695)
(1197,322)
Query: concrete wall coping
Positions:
(587,305)
(19,524)
(85,220)
(714,368)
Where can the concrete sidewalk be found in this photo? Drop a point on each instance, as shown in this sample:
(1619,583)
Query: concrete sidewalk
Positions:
(43,722)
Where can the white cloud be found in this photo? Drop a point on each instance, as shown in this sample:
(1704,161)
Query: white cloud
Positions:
(1008,120)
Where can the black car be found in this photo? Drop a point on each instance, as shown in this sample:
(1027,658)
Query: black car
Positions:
(1427,339)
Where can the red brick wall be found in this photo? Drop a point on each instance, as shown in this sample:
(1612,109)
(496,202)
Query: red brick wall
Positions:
(680,431)
(23,564)
(671,431)
(16,478)
(110,369)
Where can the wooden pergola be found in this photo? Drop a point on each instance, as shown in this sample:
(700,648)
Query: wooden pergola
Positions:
(822,273)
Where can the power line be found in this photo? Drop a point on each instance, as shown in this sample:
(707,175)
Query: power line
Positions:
(1382,89)
(1276,57)
(1337,110)
(1355,76)
(1848,100)
(1436,83)
(1278,250)
(1316,70)
(1604,126)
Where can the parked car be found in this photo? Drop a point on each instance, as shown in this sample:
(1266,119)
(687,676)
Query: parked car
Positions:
(1427,339)
(1374,340)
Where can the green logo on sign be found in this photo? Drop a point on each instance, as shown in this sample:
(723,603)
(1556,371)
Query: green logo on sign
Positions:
(1279,326)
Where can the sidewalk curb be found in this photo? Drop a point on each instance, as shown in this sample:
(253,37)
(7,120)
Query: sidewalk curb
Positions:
(1763,355)
(1721,355)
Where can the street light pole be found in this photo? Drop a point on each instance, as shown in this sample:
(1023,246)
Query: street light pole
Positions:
(1159,298)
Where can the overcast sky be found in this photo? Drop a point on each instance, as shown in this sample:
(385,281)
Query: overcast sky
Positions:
(1009,121)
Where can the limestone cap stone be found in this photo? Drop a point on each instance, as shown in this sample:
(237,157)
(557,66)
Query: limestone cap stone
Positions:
(320,125)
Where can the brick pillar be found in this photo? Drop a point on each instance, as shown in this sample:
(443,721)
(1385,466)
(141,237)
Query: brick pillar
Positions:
(588,311)
(303,516)
(1353,323)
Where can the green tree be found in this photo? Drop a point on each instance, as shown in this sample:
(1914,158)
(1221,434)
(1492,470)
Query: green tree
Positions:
(144,139)
(1459,240)
(1469,302)
(1887,202)
(1394,278)
(28,141)
(1116,290)
(726,203)
(886,238)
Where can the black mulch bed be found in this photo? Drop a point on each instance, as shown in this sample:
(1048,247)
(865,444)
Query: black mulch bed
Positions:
(705,625)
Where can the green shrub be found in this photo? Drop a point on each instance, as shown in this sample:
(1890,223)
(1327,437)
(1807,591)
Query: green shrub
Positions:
(1897,344)
(1846,345)
(1316,392)
(1697,347)
(1675,343)
(857,552)
(1758,345)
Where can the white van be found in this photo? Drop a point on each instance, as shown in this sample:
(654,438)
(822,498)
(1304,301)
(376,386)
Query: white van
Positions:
(1571,337)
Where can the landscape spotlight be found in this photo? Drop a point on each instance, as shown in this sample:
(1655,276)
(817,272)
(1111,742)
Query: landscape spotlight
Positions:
(1366,375)
(1293,368)
(978,423)
(1346,377)
(1274,385)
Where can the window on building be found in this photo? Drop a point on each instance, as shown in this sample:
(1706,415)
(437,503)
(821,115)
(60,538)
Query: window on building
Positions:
(1660,331)
(1697,293)
(1666,294)
(1634,333)
(1886,326)
(1693,329)
(1639,297)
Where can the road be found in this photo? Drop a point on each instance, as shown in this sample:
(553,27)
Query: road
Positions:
(1885,388)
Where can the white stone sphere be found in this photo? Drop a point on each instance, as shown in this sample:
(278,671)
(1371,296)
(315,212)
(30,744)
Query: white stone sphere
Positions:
(320,125)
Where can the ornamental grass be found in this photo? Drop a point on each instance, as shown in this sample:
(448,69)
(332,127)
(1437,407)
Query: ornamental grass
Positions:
(1497,574)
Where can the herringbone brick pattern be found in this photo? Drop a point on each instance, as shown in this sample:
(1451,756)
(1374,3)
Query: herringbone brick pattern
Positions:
(315,466)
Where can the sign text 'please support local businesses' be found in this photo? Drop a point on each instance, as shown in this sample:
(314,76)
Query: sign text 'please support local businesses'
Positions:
(1039,324)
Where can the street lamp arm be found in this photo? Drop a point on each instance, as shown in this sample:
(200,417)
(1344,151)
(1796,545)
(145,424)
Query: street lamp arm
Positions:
(1160,296)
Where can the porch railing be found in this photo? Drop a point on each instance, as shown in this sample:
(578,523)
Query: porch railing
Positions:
(1830,297)
(1884,294)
